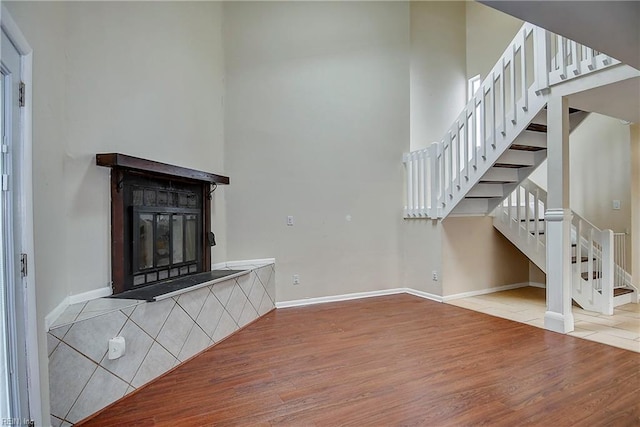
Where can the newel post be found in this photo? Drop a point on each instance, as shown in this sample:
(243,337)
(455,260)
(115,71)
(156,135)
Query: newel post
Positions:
(607,272)
(558,317)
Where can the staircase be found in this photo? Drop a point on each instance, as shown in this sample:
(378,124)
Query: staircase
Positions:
(599,281)
(500,138)
(496,142)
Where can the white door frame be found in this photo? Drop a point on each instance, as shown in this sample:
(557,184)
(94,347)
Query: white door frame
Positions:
(25,212)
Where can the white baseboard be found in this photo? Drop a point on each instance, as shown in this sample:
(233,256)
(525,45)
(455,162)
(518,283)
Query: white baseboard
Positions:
(484,291)
(538,285)
(53,315)
(358,295)
(422,294)
(89,295)
(336,298)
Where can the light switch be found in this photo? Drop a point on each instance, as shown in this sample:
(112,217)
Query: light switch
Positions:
(616,205)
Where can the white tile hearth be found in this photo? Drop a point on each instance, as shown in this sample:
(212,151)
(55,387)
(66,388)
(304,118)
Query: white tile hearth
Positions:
(70,315)
(195,343)
(158,335)
(223,291)
(266,305)
(138,343)
(249,314)
(101,390)
(91,337)
(256,294)
(157,362)
(69,372)
(225,327)
(151,316)
(192,302)
(210,314)
(52,343)
(236,303)
(175,330)
(246,283)
(101,306)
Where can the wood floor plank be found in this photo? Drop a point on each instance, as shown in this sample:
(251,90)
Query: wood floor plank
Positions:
(393,360)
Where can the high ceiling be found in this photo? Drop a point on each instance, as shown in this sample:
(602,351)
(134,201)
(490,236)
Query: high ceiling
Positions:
(612,27)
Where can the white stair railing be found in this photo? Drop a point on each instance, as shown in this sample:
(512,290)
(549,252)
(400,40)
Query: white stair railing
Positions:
(437,178)
(620,259)
(599,254)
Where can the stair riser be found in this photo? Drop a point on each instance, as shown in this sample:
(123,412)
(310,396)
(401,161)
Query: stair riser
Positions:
(517,158)
(487,190)
(501,175)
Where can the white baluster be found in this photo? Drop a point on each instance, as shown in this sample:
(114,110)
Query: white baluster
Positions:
(458,155)
(577,272)
(590,265)
(503,100)
(483,130)
(607,272)
(562,57)
(576,62)
(542,58)
(536,216)
(493,112)
(523,71)
(420,183)
(409,169)
(518,216)
(416,183)
(466,145)
(512,77)
(434,174)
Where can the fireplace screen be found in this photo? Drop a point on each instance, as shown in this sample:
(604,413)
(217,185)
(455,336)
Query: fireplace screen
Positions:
(160,220)
(166,229)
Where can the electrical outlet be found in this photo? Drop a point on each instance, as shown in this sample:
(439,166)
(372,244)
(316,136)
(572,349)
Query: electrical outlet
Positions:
(290,220)
(434,275)
(296,279)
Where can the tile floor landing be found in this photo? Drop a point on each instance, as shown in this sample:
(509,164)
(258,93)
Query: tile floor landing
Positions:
(527,305)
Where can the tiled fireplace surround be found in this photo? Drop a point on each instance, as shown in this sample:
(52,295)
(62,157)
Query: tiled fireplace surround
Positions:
(159,336)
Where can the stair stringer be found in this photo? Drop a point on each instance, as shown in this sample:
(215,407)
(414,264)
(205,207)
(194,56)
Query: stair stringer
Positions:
(456,192)
(515,222)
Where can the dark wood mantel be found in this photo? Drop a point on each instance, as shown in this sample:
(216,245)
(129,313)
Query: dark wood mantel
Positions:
(123,161)
(126,172)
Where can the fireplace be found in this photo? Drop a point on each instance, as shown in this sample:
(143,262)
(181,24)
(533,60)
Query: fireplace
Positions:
(160,221)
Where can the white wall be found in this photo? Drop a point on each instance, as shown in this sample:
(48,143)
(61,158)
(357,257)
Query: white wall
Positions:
(477,257)
(489,32)
(44,28)
(145,79)
(600,172)
(438,88)
(635,202)
(438,85)
(316,121)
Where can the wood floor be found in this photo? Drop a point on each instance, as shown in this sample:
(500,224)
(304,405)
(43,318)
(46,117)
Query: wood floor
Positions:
(386,361)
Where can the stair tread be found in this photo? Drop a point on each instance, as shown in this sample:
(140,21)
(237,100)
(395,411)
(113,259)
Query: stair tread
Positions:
(531,219)
(622,291)
(537,127)
(521,147)
(510,166)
